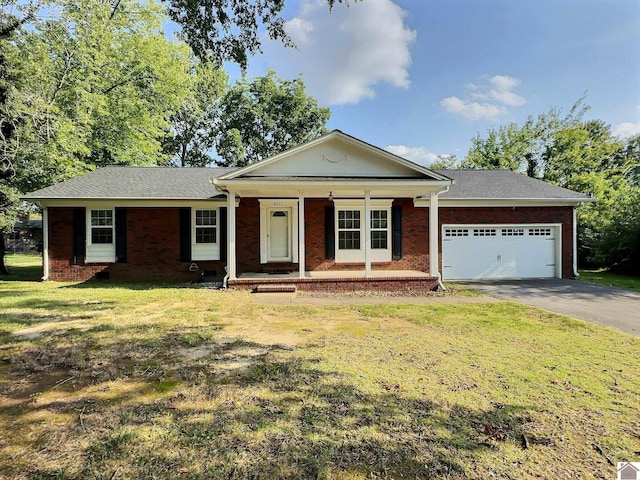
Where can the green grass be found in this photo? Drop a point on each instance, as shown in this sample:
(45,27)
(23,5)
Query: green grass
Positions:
(23,267)
(604,277)
(173,382)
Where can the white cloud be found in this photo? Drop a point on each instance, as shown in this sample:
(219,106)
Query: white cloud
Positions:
(486,101)
(471,110)
(416,154)
(626,129)
(344,54)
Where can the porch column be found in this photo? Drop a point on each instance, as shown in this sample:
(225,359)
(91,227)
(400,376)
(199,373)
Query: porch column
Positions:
(301,240)
(433,235)
(45,244)
(231,234)
(367,233)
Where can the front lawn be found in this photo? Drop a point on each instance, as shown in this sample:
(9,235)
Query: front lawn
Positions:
(107,381)
(604,277)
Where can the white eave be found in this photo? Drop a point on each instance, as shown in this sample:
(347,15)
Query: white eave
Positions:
(505,202)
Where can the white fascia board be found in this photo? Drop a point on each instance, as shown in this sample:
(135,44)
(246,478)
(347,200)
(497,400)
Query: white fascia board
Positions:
(347,138)
(130,202)
(504,202)
(389,188)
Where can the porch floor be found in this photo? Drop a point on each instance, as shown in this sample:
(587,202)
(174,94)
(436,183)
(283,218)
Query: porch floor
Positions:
(334,274)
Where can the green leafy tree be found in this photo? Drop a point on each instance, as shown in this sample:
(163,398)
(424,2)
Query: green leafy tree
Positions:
(194,125)
(230,30)
(446,162)
(96,85)
(262,118)
(581,155)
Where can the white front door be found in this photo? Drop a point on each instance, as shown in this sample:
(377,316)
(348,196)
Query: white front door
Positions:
(279,235)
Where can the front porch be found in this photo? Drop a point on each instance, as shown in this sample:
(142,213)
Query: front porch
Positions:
(339,281)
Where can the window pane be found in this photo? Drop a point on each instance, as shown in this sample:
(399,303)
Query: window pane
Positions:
(206,235)
(379,219)
(102,235)
(206,217)
(379,239)
(349,240)
(102,218)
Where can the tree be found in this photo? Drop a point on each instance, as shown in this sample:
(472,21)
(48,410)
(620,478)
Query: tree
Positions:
(194,125)
(230,30)
(95,86)
(262,118)
(583,156)
(446,162)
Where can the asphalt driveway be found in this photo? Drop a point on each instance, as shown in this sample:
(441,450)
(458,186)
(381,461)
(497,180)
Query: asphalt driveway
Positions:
(607,306)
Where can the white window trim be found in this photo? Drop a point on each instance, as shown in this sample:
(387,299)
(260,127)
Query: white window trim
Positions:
(267,205)
(357,256)
(204,251)
(100,252)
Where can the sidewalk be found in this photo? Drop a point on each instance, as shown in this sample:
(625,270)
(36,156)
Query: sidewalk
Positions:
(294,299)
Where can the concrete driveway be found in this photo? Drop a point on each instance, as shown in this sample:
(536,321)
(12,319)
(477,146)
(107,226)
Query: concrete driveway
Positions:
(607,306)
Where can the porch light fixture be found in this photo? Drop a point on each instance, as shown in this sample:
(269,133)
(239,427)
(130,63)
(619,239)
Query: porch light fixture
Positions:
(331,196)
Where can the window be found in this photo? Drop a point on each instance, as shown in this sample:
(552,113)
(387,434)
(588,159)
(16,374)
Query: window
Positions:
(484,232)
(513,232)
(456,232)
(206,223)
(379,229)
(349,229)
(539,232)
(102,226)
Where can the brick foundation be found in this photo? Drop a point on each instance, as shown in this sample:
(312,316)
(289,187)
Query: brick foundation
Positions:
(383,284)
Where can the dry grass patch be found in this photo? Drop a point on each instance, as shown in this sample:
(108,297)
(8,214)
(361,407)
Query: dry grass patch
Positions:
(171,382)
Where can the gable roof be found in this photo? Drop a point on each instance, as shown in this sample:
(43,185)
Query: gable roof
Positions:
(504,185)
(368,161)
(135,183)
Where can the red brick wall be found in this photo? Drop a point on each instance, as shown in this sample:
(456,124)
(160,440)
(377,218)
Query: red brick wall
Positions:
(506,215)
(415,239)
(153,249)
(153,240)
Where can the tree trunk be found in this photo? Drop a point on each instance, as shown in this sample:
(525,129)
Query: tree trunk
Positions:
(3,248)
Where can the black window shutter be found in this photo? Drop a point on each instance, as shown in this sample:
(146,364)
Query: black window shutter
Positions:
(329,233)
(79,235)
(121,235)
(223,233)
(396,232)
(185,234)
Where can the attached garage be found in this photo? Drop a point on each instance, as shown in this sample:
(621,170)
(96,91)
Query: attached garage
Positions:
(501,251)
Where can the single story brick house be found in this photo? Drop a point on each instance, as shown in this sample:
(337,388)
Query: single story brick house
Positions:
(335,213)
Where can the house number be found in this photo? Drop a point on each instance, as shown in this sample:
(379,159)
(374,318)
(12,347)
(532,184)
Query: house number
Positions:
(278,204)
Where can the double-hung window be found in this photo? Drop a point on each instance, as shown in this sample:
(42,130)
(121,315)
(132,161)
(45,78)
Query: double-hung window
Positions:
(102,226)
(350,230)
(206,224)
(204,234)
(100,235)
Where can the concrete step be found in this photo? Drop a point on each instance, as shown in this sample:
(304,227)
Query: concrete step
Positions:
(276,288)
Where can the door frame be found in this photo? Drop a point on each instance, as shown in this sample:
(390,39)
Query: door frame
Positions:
(266,207)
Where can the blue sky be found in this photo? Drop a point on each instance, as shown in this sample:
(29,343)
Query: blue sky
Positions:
(421,78)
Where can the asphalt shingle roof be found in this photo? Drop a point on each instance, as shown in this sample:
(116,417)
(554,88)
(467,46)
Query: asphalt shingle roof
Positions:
(136,182)
(502,184)
(194,183)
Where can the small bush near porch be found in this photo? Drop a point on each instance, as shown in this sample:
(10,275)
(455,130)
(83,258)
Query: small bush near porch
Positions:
(103,381)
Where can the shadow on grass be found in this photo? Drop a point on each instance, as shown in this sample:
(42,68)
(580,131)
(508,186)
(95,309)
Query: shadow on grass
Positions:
(226,408)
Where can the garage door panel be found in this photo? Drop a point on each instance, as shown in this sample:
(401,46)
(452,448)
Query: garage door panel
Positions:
(513,251)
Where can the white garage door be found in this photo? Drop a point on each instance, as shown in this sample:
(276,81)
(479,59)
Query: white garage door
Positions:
(505,251)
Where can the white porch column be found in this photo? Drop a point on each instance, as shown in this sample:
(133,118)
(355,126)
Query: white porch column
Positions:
(301,237)
(231,234)
(367,233)
(433,235)
(45,244)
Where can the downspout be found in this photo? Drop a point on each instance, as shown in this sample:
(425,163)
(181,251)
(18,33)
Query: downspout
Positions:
(225,280)
(438,235)
(575,245)
(45,244)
